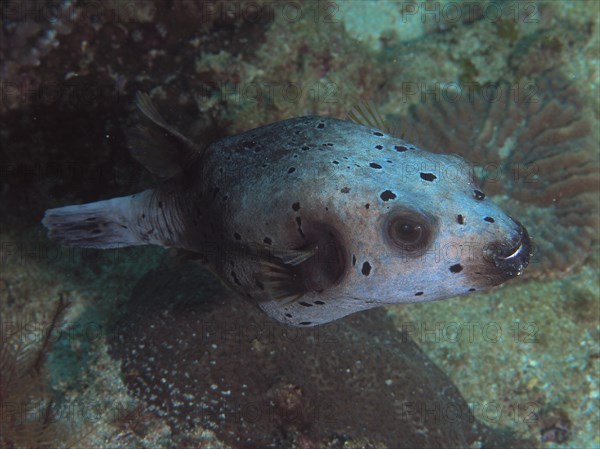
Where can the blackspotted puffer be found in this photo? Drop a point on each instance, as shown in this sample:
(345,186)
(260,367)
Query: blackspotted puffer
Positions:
(311,218)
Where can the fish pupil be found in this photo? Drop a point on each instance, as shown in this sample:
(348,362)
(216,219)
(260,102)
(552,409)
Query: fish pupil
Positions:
(408,232)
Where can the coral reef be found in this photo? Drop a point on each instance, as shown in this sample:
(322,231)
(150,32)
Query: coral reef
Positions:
(532,148)
(198,356)
(68,74)
(69,71)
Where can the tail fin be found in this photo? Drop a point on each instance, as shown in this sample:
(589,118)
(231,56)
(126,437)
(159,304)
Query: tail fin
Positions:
(103,224)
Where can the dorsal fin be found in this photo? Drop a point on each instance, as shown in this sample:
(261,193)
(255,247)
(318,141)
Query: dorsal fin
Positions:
(163,150)
(147,146)
(364,113)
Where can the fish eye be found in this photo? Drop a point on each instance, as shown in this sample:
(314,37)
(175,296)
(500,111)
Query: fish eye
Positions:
(408,232)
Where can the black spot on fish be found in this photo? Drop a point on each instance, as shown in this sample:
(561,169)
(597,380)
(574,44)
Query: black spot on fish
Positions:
(305,148)
(296,206)
(291,170)
(377,133)
(460,219)
(267,240)
(374,165)
(321,125)
(400,148)
(489,219)
(366,268)
(428,176)
(353,260)
(237,236)
(345,190)
(457,268)
(367,206)
(305,323)
(305,304)
(387,195)
(418,293)
(289,315)
(471,289)
(319,303)
(335,162)
(478,194)
(379,147)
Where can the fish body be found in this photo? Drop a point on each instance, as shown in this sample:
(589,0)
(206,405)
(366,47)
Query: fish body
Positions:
(311,218)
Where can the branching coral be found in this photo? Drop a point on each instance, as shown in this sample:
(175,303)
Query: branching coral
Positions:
(532,147)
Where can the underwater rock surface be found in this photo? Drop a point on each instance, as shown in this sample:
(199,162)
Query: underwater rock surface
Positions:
(198,356)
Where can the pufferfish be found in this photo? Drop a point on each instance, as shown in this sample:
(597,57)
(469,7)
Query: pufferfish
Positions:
(311,218)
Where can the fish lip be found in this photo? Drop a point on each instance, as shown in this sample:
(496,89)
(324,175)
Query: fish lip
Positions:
(512,261)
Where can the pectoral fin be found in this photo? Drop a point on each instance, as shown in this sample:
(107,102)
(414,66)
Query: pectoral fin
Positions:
(278,275)
(293,257)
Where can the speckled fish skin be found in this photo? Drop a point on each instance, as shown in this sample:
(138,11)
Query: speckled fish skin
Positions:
(370,220)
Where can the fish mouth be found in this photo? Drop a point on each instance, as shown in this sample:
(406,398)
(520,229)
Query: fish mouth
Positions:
(511,259)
